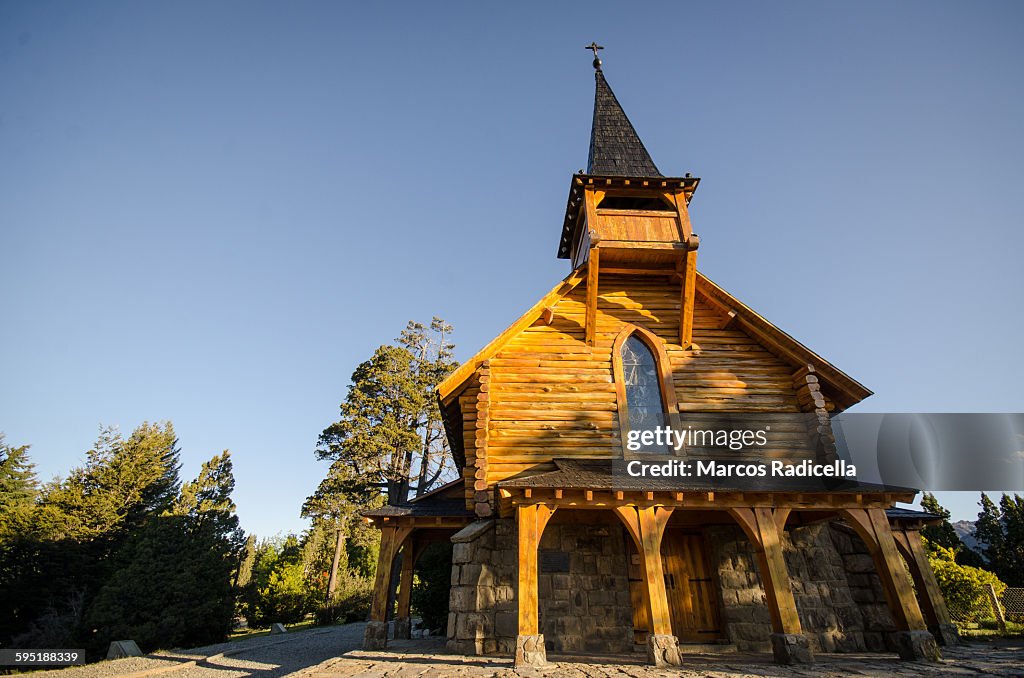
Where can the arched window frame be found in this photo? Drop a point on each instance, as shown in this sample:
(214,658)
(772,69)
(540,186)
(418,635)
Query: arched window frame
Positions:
(664,367)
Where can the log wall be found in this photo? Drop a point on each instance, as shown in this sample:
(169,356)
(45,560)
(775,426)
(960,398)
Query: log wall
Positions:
(550,395)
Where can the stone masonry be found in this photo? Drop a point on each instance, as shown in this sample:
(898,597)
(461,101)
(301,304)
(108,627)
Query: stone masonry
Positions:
(839,596)
(587,609)
(584,600)
(584,609)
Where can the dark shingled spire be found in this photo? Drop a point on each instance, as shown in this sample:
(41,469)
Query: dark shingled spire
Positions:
(615,148)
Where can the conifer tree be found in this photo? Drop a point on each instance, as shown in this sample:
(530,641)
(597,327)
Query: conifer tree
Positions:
(389,435)
(173,586)
(988,530)
(1012,522)
(942,534)
(19,488)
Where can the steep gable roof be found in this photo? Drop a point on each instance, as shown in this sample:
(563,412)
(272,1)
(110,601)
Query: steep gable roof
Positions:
(615,147)
(767,334)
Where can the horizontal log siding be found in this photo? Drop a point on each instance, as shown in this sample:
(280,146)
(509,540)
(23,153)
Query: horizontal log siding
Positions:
(552,396)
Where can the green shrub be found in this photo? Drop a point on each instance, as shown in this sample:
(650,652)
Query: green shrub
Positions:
(350,603)
(965,588)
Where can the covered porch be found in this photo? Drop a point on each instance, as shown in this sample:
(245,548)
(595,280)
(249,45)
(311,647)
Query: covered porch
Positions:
(661,601)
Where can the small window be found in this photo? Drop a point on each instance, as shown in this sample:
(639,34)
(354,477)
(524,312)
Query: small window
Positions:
(642,383)
(635,202)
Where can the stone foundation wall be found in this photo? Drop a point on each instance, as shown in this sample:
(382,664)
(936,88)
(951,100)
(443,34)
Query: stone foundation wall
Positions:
(588,608)
(584,609)
(482,608)
(585,606)
(839,597)
(866,590)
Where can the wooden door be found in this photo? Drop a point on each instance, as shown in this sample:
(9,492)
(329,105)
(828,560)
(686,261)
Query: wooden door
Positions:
(692,599)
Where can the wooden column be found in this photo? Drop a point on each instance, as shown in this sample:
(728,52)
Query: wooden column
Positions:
(391,539)
(873,527)
(531,521)
(402,614)
(913,641)
(763,530)
(933,606)
(647,526)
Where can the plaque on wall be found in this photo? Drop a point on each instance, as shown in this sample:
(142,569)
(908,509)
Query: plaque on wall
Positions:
(553,561)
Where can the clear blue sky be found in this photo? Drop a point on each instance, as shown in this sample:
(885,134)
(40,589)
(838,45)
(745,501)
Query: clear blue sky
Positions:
(211,212)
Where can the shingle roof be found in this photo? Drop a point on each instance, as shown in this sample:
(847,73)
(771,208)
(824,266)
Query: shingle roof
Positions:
(912,514)
(600,474)
(615,147)
(438,507)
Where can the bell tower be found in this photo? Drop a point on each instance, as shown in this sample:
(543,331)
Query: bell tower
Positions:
(623,216)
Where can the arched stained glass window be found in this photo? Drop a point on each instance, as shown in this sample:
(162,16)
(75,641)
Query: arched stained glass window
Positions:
(643,386)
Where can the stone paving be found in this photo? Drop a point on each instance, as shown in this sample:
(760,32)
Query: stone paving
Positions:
(427,658)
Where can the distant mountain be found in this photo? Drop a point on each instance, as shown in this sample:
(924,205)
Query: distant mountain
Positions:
(965,530)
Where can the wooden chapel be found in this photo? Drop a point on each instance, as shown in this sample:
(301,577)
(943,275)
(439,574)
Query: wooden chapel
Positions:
(552,553)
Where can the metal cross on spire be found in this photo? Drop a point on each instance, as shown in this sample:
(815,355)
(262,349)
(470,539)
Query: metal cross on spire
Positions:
(593,46)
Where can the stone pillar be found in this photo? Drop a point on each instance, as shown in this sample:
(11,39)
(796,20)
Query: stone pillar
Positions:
(791,648)
(663,650)
(376,635)
(917,646)
(530,650)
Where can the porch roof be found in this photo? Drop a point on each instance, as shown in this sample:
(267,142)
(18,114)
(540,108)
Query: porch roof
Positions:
(597,474)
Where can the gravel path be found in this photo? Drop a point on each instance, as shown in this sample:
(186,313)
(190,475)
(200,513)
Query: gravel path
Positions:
(261,657)
(334,653)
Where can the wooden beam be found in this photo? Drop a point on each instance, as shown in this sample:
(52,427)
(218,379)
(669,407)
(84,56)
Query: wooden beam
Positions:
(728,321)
(761,527)
(641,245)
(647,526)
(391,539)
(531,521)
(933,604)
(591,315)
(687,296)
(872,526)
(405,580)
(685,228)
(610,270)
(481,497)
(781,515)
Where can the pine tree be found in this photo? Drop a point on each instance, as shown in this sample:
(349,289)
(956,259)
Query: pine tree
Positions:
(19,489)
(174,584)
(1012,523)
(988,530)
(942,534)
(389,435)
(123,483)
